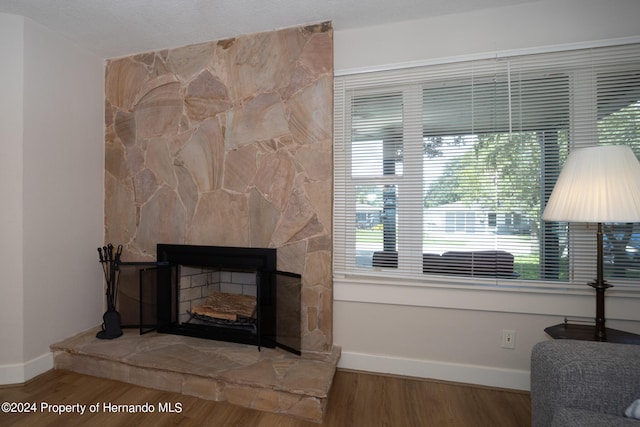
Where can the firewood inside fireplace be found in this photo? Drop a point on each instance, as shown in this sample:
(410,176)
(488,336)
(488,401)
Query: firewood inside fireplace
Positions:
(226,306)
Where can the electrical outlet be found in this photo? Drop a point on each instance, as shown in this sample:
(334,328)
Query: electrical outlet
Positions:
(508,338)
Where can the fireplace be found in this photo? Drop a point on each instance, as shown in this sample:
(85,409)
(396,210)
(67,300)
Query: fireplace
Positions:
(221,293)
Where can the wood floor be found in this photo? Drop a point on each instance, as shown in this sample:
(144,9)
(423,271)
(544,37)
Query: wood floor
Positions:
(357,399)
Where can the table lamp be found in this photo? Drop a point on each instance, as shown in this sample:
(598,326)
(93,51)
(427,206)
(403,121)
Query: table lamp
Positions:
(597,185)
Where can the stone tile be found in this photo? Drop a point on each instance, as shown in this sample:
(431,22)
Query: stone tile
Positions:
(206,97)
(94,366)
(240,167)
(273,401)
(203,387)
(299,220)
(87,365)
(291,257)
(262,62)
(274,178)
(311,119)
(188,61)
(187,189)
(240,395)
(203,156)
(317,56)
(159,111)
(259,374)
(160,162)
(263,117)
(115,371)
(231,224)
(125,127)
(157,379)
(170,226)
(309,408)
(123,80)
(308,379)
(145,184)
(114,160)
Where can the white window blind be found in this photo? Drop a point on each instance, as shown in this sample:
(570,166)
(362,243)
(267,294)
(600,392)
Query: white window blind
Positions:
(442,171)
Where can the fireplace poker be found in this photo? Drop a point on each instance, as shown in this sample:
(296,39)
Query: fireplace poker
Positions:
(103,260)
(104,265)
(116,262)
(105,254)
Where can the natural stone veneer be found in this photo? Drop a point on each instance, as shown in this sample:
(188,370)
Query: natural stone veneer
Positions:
(228,143)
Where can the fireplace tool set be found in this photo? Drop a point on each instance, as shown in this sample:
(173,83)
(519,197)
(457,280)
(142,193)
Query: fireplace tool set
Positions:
(110,261)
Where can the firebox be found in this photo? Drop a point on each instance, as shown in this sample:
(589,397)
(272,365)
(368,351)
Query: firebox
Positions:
(222,293)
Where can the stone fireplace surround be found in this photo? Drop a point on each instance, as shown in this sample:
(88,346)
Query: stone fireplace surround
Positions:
(228,143)
(225,143)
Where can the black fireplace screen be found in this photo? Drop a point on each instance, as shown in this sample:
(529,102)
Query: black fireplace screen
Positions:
(137,294)
(221,293)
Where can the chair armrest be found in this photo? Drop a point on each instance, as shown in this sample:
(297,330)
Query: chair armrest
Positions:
(596,376)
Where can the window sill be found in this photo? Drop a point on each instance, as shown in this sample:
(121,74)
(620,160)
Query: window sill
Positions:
(532,298)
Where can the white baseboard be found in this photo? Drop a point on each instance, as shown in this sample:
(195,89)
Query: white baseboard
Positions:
(436,370)
(19,373)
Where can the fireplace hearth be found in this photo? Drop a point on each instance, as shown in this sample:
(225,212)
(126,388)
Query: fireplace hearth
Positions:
(221,293)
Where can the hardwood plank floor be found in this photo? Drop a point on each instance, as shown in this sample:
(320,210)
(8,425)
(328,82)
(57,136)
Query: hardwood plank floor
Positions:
(357,399)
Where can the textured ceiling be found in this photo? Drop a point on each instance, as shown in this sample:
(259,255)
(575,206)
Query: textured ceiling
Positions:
(113,28)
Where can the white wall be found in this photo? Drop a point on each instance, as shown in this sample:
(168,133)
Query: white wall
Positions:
(59,209)
(11,223)
(526,26)
(455,334)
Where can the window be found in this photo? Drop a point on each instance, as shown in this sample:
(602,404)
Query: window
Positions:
(442,171)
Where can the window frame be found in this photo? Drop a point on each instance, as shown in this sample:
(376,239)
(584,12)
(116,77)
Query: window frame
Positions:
(382,286)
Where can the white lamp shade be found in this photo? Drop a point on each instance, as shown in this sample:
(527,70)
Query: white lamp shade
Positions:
(597,184)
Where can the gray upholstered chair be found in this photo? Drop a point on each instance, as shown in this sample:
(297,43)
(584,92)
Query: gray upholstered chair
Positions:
(582,383)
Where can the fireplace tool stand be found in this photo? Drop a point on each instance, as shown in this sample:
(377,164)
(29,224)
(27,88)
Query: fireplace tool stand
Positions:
(110,266)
